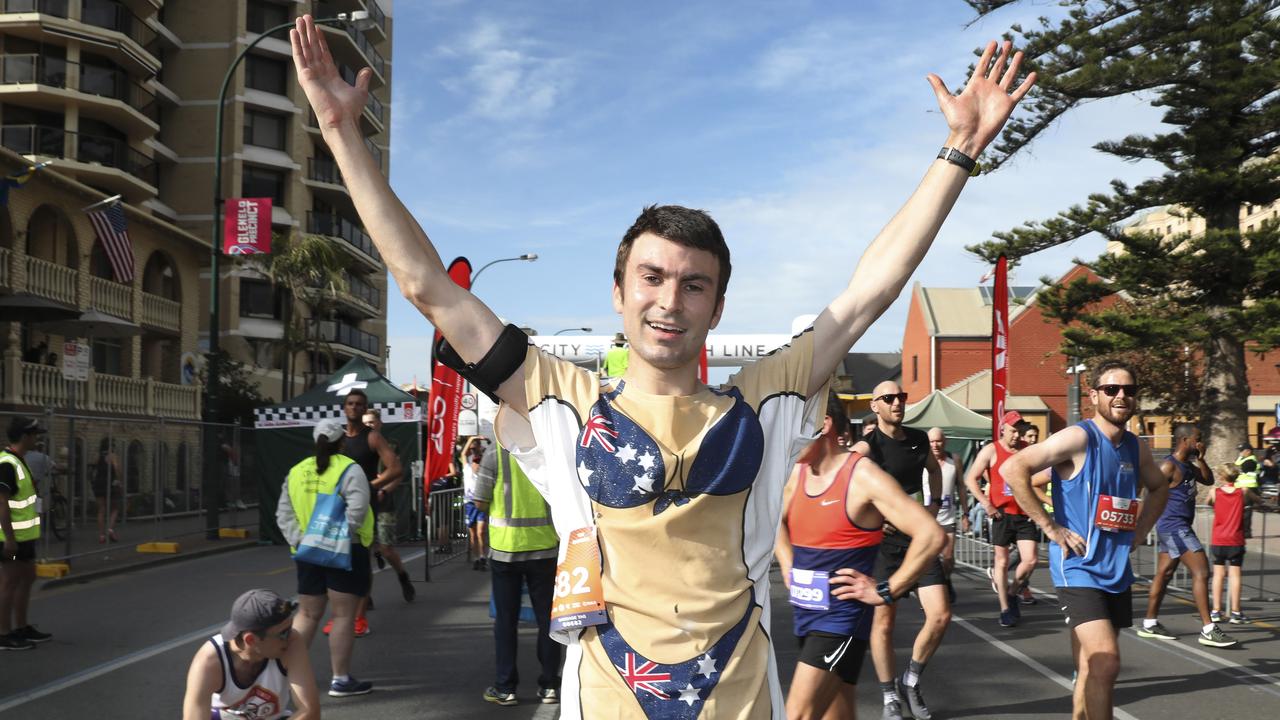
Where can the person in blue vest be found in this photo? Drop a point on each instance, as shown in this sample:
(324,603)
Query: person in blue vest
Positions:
(1099,470)
(20,526)
(329,472)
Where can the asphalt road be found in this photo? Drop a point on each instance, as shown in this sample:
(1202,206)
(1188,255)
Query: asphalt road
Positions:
(122,646)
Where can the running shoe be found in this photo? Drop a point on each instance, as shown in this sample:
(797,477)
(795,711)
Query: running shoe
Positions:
(406,588)
(1217,638)
(327,627)
(549,696)
(991,576)
(1026,598)
(362,627)
(1216,616)
(914,700)
(13,641)
(1007,619)
(494,695)
(32,634)
(475,564)
(892,711)
(1156,631)
(1236,619)
(349,687)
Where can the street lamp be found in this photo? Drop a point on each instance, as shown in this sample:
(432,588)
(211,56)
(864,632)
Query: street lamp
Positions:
(587,330)
(527,257)
(361,21)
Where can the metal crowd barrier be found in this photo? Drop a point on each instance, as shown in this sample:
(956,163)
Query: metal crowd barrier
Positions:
(445,527)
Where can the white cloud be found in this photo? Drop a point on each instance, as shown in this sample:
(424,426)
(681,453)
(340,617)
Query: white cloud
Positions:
(509,76)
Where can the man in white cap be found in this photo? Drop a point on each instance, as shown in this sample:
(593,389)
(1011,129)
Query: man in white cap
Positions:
(252,667)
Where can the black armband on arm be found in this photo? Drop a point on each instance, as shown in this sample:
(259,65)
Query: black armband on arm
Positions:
(503,359)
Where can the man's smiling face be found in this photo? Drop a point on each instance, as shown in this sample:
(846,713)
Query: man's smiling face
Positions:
(668,301)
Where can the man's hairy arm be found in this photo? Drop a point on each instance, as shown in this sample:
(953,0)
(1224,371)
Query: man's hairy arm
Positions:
(1157,488)
(974,118)
(466,322)
(1061,448)
(972,478)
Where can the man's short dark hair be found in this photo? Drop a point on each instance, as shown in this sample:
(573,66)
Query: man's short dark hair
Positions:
(1184,431)
(836,411)
(680,225)
(1107,367)
(356,391)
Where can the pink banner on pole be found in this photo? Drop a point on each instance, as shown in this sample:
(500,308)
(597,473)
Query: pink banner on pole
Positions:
(246,226)
(999,345)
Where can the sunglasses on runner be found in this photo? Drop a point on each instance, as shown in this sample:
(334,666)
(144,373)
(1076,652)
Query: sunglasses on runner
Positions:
(282,635)
(1113,390)
(889,398)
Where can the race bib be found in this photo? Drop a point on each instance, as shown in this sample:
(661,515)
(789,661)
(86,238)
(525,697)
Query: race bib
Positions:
(578,600)
(1116,514)
(810,589)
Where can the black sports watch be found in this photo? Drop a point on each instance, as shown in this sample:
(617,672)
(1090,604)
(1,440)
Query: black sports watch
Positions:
(882,589)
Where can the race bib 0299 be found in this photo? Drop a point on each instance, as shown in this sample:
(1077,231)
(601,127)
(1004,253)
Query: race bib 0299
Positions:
(810,589)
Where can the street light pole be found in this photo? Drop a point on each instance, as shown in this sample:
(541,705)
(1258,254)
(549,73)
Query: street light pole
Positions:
(212,494)
(528,257)
(586,330)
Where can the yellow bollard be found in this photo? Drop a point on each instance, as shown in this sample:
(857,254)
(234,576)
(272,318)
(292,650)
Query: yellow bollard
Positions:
(168,548)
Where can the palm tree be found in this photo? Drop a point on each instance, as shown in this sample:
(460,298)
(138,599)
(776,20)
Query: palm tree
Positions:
(307,267)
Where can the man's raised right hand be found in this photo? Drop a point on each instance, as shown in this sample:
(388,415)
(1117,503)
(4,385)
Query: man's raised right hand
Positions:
(335,101)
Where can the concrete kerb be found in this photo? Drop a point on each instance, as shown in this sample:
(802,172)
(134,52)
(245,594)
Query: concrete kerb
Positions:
(145,564)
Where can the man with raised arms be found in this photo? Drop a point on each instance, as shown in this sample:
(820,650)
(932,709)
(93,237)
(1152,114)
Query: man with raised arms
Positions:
(666,493)
(834,508)
(1099,470)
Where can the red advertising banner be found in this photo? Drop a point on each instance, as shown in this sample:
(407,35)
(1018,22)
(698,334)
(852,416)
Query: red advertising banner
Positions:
(246,226)
(445,400)
(999,345)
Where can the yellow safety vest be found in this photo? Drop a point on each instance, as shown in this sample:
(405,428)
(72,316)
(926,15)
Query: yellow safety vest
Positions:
(1246,479)
(519,519)
(305,484)
(22,504)
(616,361)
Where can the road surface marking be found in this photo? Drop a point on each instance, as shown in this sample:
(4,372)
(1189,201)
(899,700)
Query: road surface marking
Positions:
(547,712)
(1018,655)
(137,656)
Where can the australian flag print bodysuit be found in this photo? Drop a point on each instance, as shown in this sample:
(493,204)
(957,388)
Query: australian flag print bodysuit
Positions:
(685,494)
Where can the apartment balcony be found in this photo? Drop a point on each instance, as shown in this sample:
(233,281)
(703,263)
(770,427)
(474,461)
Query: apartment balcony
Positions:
(356,241)
(348,336)
(102,93)
(52,281)
(112,28)
(62,284)
(360,299)
(43,386)
(109,163)
(161,313)
(324,178)
(111,297)
(351,46)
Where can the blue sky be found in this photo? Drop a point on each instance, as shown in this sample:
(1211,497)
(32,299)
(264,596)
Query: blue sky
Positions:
(801,127)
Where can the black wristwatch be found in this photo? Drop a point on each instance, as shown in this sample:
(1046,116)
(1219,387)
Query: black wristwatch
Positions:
(882,589)
(955,157)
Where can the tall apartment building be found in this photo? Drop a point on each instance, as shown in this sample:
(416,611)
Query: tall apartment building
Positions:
(120,96)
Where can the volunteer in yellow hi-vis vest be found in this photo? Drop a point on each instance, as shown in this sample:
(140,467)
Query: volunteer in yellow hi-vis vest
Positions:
(20,527)
(328,472)
(1248,479)
(523,547)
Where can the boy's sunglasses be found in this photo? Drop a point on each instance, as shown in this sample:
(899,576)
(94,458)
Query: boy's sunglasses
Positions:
(1113,390)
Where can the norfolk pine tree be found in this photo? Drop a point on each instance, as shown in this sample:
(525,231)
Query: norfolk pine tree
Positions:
(1214,66)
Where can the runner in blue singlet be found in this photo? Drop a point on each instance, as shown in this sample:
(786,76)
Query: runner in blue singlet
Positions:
(1098,471)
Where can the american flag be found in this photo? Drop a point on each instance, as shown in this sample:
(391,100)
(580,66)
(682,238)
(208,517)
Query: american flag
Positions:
(108,224)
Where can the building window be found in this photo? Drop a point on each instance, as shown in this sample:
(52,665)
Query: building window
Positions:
(266,74)
(261,15)
(258,299)
(915,369)
(261,182)
(264,129)
(108,356)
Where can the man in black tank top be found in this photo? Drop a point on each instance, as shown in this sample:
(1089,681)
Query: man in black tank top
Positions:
(904,453)
(368,449)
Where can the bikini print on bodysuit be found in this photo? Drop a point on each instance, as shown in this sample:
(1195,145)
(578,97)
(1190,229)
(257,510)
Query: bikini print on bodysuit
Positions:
(621,466)
(676,691)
